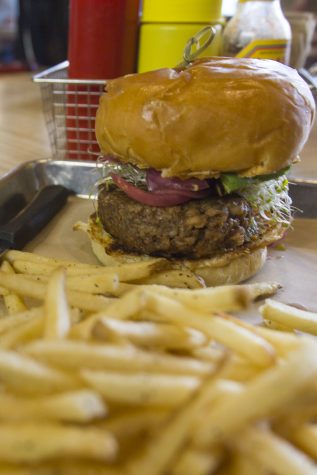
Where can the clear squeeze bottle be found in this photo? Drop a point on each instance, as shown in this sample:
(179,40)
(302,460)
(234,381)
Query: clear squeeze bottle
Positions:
(259,29)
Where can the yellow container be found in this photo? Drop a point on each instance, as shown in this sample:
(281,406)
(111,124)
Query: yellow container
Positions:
(181,11)
(162,45)
(167,25)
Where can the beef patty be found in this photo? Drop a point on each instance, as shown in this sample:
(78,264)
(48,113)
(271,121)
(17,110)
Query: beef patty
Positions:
(196,229)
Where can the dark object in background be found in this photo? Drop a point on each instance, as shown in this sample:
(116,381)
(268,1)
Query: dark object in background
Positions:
(43,32)
(305,6)
(11,207)
(31,220)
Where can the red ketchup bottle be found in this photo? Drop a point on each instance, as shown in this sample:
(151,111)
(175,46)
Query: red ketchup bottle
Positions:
(102,45)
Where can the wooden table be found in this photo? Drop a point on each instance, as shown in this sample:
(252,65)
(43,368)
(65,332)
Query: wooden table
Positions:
(23,134)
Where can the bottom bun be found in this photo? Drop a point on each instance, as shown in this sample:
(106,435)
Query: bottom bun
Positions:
(239,267)
(230,268)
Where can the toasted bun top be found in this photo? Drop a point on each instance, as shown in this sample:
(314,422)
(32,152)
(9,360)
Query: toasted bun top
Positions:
(218,115)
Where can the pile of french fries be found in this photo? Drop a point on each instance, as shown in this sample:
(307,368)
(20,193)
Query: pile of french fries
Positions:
(103,372)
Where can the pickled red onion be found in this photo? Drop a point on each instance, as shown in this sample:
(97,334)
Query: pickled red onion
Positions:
(159,198)
(155,181)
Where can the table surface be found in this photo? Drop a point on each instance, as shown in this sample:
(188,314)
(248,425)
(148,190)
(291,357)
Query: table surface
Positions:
(23,134)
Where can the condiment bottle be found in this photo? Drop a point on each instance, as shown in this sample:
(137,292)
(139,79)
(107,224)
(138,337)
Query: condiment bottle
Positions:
(167,25)
(102,38)
(102,45)
(259,29)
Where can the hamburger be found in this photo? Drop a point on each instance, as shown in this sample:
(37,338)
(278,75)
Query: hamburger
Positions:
(195,162)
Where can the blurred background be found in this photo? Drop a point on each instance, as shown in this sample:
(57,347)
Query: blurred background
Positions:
(304,6)
(34,33)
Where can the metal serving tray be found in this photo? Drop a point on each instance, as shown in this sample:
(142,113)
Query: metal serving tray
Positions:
(81,176)
(28,178)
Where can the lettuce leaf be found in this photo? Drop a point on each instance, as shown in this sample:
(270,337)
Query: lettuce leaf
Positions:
(232,182)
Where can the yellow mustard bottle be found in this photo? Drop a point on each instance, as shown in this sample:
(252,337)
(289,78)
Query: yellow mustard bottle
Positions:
(259,29)
(166,26)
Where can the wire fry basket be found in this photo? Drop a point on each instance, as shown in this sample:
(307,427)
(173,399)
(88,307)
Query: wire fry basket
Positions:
(70,107)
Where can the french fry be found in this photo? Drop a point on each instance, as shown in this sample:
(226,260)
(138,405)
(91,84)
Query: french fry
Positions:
(240,369)
(141,388)
(274,453)
(283,342)
(149,334)
(242,464)
(260,290)
(57,321)
(22,285)
(193,459)
(61,467)
(26,331)
(13,302)
(15,320)
(13,469)
(303,412)
(13,255)
(212,299)
(270,390)
(129,424)
(225,298)
(305,437)
(32,442)
(226,332)
(197,462)
(88,302)
(159,381)
(126,287)
(47,268)
(3,292)
(106,283)
(77,354)
(223,390)
(289,316)
(94,284)
(209,353)
(276,326)
(126,272)
(174,278)
(154,460)
(122,309)
(26,327)
(27,376)
(78,406)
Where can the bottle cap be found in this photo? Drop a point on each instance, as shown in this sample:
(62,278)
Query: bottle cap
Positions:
(181,11)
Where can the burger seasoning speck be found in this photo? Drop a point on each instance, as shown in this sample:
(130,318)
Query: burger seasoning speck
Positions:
(259,29)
